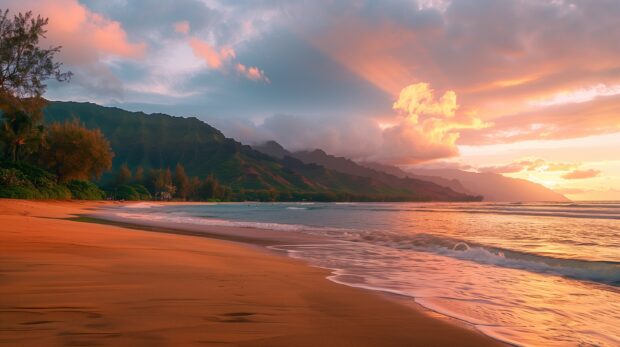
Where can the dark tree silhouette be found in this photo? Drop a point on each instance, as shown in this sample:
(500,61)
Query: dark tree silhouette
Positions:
(181,181)
(123,176)
(19,131)
(24,68)
(138,177)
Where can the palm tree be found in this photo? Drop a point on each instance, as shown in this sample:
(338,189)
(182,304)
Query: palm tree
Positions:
(18,130)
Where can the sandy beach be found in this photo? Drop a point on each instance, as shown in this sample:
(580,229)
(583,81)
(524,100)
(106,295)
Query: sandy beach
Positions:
(71,283)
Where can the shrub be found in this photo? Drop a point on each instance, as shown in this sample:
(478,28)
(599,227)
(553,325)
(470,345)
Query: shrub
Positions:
(13,177)
(18,192)
(25,181)
(126,192)
(142,191)
(85,190)
(54,192)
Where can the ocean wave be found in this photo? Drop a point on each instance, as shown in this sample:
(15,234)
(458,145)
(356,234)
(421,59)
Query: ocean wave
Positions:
(567,210)
(169,218)
(296,208)
(595,271)
(139,205)
(594,214)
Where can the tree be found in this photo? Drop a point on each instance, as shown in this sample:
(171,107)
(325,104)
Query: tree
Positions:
(167,176)
(73,152)
(194,188)
(138,177)
(181,181)
(124,175)
(20,134)
(24,67)
(154,180)
(211,188)
(169,189)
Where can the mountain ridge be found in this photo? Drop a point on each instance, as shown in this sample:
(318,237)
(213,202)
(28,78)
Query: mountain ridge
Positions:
(158,141)
(348,166)
(493,187)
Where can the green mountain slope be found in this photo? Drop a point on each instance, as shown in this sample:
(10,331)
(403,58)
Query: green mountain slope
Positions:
(348,166)
(161,141)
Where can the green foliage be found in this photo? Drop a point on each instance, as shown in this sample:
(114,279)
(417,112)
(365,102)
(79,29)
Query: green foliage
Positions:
(126,192)
(143,193)
(25,181)
(12,177)
(20,135)
(132,192)
(85,190)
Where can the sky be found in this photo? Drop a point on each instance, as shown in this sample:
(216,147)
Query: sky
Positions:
(525,88)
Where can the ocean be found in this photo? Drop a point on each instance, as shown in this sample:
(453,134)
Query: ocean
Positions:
(530,274)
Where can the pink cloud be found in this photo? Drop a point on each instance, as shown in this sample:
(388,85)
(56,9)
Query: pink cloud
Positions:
(565,121)
(502,59)
(85,36)
(252,72)
(215,58)
(182,27)
(581,174)
(219,58)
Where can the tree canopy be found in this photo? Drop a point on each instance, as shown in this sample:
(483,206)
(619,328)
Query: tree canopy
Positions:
(24,66)
(73,152)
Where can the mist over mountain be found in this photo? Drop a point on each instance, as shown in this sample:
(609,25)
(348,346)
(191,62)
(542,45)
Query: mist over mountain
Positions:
(493,187)
(453,184)
(272,148)
(161,141)
(348,166)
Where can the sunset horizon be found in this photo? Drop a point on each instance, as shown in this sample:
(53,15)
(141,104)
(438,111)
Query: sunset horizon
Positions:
(310,173)
(530,91)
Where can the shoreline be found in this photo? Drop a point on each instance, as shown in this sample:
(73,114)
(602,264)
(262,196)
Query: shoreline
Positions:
(272,245)
(64,281)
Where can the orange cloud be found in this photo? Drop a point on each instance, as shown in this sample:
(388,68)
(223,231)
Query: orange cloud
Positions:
(537,164)
(215,58)
(368,50)
(85,36)
(564,121)
(428,129)
(511,58)
(417,99)
(581,174)
(502,169)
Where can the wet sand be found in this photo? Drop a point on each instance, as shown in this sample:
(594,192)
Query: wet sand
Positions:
(67,283)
